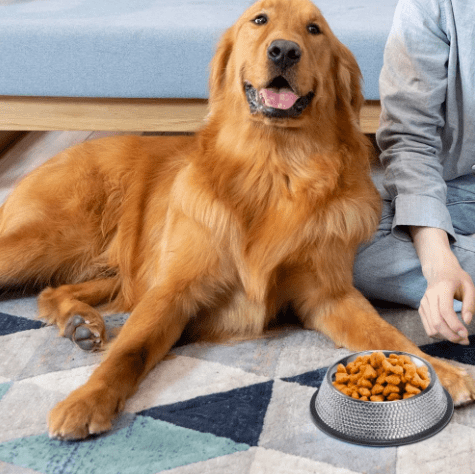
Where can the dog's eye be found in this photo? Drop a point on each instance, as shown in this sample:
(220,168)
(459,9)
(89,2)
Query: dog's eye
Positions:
(260,20)
(313,29)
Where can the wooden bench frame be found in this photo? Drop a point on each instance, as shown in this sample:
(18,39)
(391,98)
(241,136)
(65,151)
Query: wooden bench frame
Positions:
(110,114)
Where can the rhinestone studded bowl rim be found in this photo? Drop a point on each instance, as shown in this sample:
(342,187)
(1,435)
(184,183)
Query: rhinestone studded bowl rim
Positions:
(381,423)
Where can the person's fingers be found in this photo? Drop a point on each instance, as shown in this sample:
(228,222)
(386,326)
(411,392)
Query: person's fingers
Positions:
(468,301)
(449,316)
(440,319)
(426,322)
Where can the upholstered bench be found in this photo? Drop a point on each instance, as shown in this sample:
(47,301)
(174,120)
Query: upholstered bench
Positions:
(142,65)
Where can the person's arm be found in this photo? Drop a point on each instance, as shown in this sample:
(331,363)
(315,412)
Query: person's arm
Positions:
(445,280)
(413,87)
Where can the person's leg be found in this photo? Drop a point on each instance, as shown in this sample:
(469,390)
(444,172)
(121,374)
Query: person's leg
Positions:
(461,204)
(388,268)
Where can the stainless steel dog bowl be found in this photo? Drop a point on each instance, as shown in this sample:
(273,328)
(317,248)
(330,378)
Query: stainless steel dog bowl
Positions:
(381,423)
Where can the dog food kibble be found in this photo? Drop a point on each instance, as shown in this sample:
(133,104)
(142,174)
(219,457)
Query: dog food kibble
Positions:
(378,378)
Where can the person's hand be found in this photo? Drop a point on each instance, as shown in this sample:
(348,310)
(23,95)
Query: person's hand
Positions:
(437,305)
(446,281)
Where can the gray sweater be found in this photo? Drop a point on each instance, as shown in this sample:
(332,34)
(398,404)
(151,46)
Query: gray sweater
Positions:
(427,86)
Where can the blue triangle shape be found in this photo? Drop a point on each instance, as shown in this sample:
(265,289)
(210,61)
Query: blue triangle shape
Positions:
(314,378)
(237,414)
(4,387)
(452,351)
(146,446)
(10,324)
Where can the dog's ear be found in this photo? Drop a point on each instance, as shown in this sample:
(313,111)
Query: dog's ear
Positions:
(219,63)
(348,79)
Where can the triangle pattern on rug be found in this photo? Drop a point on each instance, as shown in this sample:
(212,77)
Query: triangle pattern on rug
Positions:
(237,414)
(314,378)
(4,387)
(10,324)
(146,446)
(452,351)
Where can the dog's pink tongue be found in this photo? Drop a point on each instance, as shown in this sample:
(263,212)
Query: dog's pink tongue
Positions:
(278,100)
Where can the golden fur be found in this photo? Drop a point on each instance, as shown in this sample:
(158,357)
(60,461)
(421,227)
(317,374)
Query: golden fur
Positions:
(212,234)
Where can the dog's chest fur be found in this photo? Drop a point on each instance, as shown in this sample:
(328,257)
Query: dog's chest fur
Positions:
(270,205)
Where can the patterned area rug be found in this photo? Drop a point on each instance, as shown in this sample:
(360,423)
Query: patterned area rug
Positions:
(240,408)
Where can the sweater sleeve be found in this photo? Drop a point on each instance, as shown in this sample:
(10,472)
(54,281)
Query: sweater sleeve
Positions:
(413,85)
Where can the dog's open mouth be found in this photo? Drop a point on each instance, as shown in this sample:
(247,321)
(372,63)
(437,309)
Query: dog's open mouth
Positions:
(277,99)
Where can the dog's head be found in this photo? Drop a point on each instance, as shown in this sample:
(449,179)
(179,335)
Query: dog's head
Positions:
(281,62)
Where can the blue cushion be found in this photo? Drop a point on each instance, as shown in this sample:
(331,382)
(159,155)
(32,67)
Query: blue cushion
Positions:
(149,48)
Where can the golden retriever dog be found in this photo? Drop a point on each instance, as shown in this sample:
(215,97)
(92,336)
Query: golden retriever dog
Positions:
(211,235)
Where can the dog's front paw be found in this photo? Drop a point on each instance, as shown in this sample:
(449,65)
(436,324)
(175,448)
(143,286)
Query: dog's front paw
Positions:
(84,412)
(457,381)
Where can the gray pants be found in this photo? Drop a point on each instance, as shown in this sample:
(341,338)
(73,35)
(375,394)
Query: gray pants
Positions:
(388,268)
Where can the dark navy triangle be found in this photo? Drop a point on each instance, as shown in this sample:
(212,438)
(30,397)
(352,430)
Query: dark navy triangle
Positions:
(452,351)
(237,414)
(313,378)
(10,324)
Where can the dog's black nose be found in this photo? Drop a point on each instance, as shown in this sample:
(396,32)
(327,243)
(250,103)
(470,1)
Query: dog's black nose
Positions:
(284,53)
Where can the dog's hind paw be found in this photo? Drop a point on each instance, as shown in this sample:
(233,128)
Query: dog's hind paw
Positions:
(83,333)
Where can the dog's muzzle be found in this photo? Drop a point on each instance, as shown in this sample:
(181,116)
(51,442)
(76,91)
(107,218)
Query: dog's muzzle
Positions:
(276,103)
